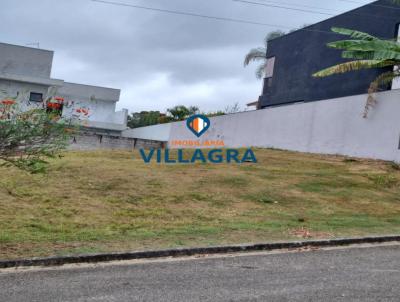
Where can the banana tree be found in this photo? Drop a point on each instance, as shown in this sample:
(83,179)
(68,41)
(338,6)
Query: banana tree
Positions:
(367,52)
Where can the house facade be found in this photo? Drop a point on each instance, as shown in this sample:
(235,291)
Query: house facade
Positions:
(25,74)
(293,59)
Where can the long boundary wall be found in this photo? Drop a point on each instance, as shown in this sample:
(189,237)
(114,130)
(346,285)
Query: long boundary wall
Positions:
(92,141)
(333,126)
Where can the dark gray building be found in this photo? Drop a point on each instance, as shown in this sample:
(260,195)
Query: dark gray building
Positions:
(293,58)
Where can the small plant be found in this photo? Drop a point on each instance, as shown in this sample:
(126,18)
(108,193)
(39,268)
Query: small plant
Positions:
(350,160)
(55,105)
(383,180)
(394,166)
(28,138)
(264,197)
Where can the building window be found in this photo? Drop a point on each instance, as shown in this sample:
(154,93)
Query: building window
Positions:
(269,67)
(36,97)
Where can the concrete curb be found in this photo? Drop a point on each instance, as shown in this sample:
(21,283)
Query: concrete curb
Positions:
(57,261)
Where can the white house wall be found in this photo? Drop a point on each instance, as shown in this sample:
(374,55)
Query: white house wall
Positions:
(22,90)
(24,70)
(98,101)
(330,127)
(25,61)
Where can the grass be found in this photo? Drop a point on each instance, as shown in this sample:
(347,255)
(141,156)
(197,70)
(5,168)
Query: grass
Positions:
(111,201)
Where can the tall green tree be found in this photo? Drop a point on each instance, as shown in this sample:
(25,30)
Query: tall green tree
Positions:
(180,113)
(259,54)
(366,51)
(144,118)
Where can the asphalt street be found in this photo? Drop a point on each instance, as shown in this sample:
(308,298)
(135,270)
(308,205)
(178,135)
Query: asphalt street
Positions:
(346,274)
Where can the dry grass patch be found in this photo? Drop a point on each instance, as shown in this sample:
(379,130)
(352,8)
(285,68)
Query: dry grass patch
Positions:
(112,201)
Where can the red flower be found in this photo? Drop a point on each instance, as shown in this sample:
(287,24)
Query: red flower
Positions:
(84,111)
(8,102)
(53,105)
(60,99)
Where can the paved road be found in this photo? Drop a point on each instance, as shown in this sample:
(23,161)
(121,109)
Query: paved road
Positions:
(354,274)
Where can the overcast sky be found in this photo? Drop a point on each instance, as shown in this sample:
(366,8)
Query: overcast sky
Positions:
(158,60)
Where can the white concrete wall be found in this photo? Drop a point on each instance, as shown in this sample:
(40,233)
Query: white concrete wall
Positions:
(331,127)
(20,60)
(120,117)
(160,132)
(22,91)
(100,103)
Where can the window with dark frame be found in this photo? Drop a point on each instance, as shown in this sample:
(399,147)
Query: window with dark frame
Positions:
(36,97)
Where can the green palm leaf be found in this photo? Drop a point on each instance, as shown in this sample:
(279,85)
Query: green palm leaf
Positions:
(363,45)
(352,66)
(372,55)
(354,33)
(260,53)
(368,52)
(260,70)
(256,54)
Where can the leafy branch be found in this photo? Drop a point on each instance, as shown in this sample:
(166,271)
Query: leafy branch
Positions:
(367,52)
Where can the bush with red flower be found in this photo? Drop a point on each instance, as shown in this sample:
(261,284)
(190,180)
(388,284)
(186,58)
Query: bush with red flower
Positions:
(55,104)
(28,139)
(8,102)
(7,108)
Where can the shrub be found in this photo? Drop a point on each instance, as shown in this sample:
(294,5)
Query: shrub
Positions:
(28,138)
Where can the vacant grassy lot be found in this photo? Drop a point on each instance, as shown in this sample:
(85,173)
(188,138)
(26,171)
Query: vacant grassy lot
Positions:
(112,201)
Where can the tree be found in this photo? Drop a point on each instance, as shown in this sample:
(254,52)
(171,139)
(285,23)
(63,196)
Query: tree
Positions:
(144,118)
(260,54)
(180,113)
(149,118)
(367,52)
(28,138)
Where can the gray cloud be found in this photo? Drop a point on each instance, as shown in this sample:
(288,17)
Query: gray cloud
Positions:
(158,60)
